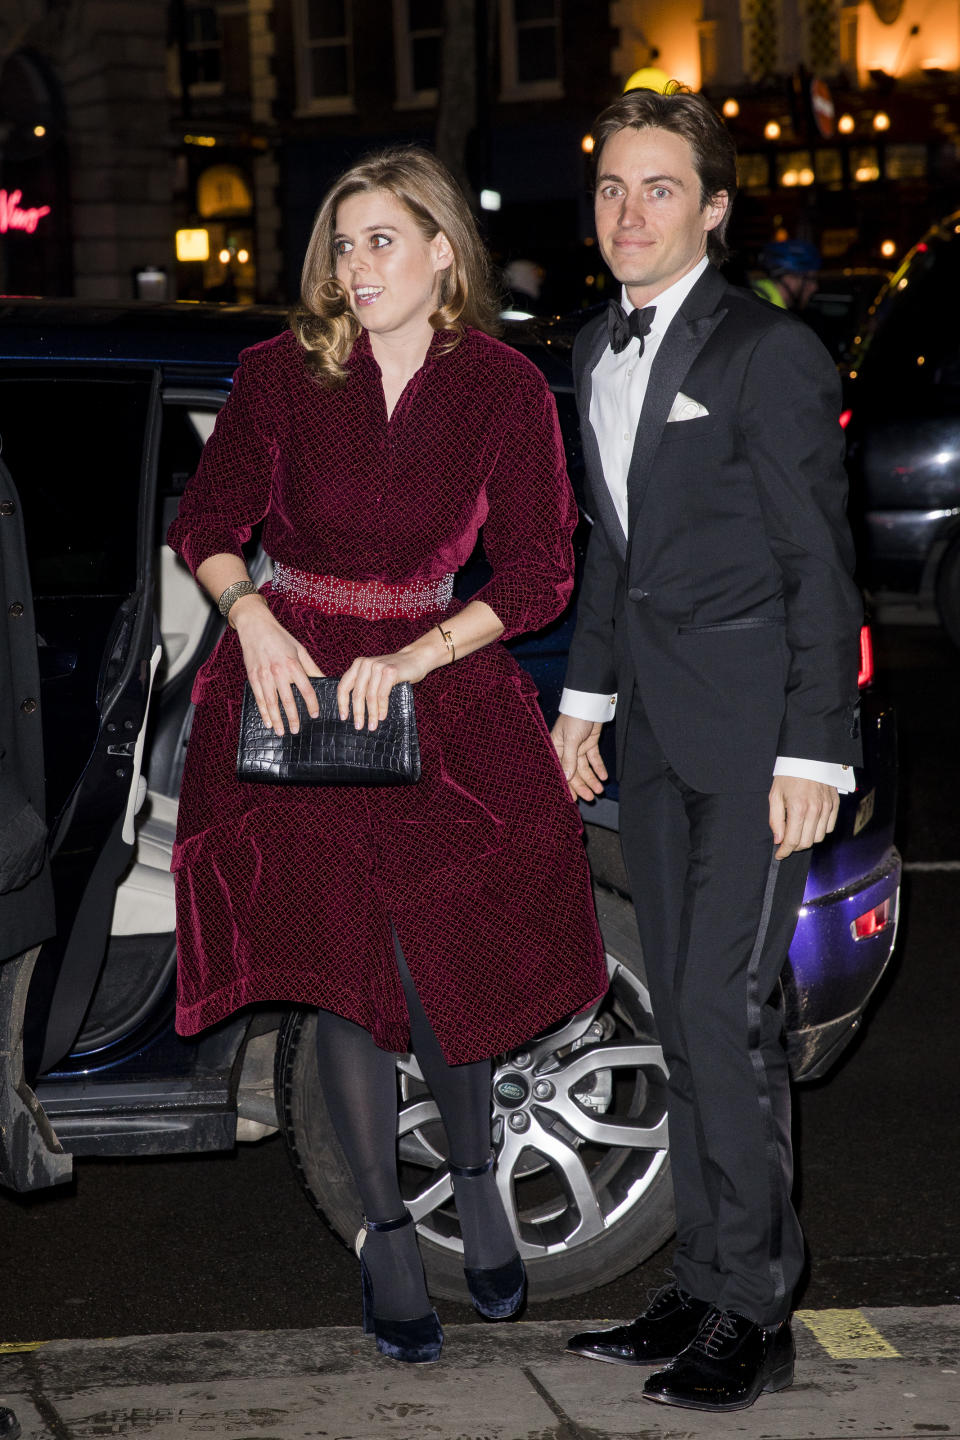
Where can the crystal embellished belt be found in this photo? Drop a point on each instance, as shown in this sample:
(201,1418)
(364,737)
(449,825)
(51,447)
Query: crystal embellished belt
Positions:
(367,599)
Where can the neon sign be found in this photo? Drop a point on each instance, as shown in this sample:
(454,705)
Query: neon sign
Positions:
(13,217)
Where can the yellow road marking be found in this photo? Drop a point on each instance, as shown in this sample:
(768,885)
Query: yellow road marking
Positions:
(847,1335)
(14,1347)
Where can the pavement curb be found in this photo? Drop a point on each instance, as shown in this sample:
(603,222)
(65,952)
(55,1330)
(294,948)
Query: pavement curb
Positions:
(498,1382)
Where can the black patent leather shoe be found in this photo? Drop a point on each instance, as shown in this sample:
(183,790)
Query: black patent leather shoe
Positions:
(665,1328)
(727,1366)
(9,1424)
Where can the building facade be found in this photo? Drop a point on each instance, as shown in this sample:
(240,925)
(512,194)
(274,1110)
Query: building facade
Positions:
(183,146)
(84,143)
(845,112)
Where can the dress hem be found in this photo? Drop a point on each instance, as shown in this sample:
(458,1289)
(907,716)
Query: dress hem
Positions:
(224,1004)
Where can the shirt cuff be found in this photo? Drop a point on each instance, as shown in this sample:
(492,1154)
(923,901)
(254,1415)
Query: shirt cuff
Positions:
(825,771)
(585,705)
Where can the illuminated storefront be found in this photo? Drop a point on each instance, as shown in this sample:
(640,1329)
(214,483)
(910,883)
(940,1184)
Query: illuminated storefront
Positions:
(216,242)
(846,113)
(34,203)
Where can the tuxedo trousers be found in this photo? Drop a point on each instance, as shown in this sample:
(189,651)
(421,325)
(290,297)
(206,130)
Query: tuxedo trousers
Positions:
(716,913)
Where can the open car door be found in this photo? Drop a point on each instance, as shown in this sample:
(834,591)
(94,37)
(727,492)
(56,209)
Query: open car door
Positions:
(79,453)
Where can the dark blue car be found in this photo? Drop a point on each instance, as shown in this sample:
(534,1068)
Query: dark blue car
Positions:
(103,412)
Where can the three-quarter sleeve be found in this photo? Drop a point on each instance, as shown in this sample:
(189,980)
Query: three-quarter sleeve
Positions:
(531,517)
(230,491)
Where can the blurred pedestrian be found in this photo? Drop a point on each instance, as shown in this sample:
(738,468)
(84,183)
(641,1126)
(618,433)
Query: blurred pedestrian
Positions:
(375,439)
(790,278)
(718,618)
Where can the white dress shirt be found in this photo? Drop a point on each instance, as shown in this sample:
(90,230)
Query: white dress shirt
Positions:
(617,396)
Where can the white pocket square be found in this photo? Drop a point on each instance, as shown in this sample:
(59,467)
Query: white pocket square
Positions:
(683,408)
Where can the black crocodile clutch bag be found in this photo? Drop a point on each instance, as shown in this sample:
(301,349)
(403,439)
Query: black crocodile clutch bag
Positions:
(328,750)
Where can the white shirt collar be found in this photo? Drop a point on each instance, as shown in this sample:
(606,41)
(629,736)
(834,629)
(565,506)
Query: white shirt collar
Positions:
(669,301)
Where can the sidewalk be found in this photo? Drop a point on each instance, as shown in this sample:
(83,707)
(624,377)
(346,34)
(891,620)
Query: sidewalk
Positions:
(889,1373)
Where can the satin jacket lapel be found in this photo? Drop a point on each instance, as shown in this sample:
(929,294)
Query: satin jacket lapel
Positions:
(686,336)
(606,511)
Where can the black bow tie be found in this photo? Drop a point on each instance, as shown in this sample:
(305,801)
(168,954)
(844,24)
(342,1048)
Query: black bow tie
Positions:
(622,328)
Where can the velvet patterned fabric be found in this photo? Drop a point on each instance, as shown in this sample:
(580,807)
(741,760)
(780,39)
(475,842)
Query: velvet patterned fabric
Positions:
(286,893)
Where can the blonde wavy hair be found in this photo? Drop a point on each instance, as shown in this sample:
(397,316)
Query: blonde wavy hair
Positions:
(324,323)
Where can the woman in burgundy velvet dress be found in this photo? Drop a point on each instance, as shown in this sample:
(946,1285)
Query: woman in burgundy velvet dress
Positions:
(375,440)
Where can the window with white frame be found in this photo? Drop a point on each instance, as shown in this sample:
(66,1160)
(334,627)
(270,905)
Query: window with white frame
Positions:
(202,49)
(418,33)
(530,49)
(324,36)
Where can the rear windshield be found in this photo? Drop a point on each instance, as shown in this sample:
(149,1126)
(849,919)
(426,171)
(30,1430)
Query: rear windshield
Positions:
(910,351)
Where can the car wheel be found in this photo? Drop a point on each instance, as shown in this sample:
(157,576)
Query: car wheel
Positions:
(579,1126)
(948,590)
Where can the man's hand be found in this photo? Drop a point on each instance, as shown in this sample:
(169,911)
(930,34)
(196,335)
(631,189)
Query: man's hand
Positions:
(801,813)
(577,745)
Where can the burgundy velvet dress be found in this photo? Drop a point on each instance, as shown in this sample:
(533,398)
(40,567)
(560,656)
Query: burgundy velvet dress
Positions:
(287,893)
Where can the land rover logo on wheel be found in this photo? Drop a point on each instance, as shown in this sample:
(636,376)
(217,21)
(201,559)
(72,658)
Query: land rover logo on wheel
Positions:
(511,1091)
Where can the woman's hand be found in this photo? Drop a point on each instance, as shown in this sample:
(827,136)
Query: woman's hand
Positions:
(275,662)
(370,679)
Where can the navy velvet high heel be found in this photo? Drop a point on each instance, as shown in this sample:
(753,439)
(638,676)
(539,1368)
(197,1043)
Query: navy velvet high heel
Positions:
(416,1342)
(497,1293)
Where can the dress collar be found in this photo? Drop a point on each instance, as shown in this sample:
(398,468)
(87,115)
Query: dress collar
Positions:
(362,352)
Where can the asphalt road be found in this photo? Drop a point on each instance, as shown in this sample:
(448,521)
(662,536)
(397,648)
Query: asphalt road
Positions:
(229,1242)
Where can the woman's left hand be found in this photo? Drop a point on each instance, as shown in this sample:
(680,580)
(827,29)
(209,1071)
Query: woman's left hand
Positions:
(370,679)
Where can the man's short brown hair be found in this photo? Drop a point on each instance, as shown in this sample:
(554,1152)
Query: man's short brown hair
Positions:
(684,113)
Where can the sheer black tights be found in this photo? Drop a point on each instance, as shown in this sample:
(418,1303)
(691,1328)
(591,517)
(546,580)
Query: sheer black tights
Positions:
(360,1086)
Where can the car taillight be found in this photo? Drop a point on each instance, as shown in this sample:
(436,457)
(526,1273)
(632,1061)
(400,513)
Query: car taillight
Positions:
(865,677)
(845,418)
(872,922)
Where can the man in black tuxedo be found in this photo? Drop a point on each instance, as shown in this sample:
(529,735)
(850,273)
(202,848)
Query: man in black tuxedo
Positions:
(718,619)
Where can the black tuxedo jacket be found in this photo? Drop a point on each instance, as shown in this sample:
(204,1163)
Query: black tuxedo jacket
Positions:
(729,605)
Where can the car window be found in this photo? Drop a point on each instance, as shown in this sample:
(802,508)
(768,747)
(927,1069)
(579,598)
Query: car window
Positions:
(74,442)
(182,610)
(909,356)
(74,446)
(185,430)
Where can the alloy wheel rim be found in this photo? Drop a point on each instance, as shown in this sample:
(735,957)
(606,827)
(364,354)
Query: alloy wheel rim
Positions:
(579,1129)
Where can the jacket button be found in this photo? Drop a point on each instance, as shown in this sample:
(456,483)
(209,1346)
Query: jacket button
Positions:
(638,594)
(7,507)
(29,705)
(16,610)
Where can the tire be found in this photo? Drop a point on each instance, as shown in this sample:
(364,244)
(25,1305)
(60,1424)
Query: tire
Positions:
(579,1127)
(948,590)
